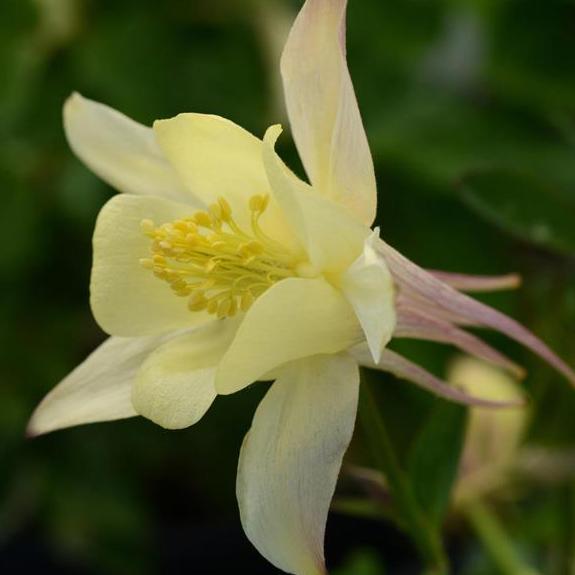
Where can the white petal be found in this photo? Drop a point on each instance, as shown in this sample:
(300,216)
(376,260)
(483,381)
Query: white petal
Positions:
(368,286)
(291,457)
(98,389)
(175,385)
(323,109)
(332,238)
(122,152)
(126,299)
(295,318)
(217,158)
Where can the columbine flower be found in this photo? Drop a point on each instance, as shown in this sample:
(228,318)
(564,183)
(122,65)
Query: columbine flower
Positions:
(494,454)
(218,267)
(493,437)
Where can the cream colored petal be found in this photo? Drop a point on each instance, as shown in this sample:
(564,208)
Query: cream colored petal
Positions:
(175,385)
(291,457)
(332,238)
(368,286)
(126,299)
(217,158)
(295,318)
(98,389)
(323,109)
(122,152)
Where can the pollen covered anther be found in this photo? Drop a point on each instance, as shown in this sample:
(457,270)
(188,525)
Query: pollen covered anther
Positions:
(218,266)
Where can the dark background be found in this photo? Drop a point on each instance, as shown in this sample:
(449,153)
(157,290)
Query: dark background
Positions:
(469,107)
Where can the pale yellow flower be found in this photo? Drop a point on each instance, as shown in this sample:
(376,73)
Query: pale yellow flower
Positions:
(218,267)
(493,438)
(494,453)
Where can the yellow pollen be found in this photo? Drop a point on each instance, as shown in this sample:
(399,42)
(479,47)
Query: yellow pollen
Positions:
(218,266)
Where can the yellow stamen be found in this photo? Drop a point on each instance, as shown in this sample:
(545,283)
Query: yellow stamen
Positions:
(218,266)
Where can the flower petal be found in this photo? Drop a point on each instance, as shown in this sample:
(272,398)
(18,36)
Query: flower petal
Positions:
(217,158)
(175,385)
(417,324)
(407,298)
(122,152)
(98,389)
(471,283)
(323,110)
(437,293)
(368,286)
(404,369)
(295,318)
(126,299)
(493,436)
(333,239)
(291,457)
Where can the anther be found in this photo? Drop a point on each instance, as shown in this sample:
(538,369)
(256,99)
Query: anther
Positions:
(203,219)
(225,209)
(197,304)
(147,263)
(210,265)
(179,285)
(246,301)
(259,203)
(255,247)
(181,225)
(212,306)
(216,211)
(224,308)
(209,259)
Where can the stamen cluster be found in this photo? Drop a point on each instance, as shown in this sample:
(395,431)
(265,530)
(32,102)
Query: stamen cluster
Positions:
(217,265)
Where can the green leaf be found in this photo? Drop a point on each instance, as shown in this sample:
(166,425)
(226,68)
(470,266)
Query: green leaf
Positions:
(524,64)
(434,458)
(360,507)
(436,138)
(410,515)
(361,562)
(536,211)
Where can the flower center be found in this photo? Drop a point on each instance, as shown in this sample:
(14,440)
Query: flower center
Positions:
(217,265)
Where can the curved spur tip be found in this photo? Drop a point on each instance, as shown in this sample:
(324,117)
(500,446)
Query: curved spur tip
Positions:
(518,372)
(515,280)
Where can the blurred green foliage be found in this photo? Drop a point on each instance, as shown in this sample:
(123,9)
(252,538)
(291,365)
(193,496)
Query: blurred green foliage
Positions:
(470,109)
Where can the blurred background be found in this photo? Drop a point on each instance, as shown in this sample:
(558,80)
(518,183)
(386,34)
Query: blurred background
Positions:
(469,107)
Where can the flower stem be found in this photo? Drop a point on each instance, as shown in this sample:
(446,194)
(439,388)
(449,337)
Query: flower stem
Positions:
(495,540)
(566,543)
(411,519)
